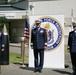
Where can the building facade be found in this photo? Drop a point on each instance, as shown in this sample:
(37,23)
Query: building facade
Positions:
(37,7)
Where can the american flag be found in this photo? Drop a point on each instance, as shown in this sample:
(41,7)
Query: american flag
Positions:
(26,29)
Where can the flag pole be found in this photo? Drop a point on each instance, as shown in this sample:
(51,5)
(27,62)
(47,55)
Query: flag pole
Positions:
(72,12)
(71,30)
(72,18)
(23,50)
(23,45)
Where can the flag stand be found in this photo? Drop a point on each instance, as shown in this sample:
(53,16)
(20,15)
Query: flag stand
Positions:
(23,50)
(26,35)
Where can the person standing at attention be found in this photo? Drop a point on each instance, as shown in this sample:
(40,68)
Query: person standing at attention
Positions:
(72,47)
(38,44)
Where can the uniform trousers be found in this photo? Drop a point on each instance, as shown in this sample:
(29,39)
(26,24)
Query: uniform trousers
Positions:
(73,59)
(38,58)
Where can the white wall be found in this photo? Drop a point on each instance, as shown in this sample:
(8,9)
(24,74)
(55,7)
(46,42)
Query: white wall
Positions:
(54,7)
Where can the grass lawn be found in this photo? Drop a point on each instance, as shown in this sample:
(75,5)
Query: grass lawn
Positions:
(16,58)
(65,49)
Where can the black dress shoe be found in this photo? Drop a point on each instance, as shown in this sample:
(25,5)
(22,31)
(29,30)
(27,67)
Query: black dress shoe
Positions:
(35,70)
(39,71)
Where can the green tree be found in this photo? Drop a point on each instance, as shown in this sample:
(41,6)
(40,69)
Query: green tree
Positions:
(4,20)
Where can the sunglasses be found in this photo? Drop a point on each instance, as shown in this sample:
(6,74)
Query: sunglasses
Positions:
(37,23)
(74,26)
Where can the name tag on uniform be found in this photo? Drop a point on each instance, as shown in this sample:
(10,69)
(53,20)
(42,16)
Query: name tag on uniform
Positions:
(41,31)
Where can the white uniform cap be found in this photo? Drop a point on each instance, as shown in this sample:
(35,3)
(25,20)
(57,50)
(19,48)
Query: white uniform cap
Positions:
(37,21)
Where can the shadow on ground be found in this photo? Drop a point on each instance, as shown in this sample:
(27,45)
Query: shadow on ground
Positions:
(17,63)
(62,72)
(27,68)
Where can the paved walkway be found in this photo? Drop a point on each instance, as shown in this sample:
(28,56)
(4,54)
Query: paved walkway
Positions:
(17,69)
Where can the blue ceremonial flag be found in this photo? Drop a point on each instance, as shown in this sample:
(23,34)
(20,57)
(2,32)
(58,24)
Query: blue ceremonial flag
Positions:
(26,29)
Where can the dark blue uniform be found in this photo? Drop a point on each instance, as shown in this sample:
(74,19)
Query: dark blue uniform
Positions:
(38,41)
(1,45)
(72,48)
